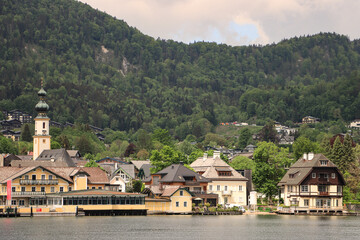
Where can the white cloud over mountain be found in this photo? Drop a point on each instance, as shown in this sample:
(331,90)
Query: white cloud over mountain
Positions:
(235,22)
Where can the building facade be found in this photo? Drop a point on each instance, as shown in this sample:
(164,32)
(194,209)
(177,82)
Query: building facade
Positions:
(226,182)
(313,184)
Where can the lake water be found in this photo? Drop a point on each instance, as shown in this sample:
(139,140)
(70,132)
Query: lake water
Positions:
(181,227)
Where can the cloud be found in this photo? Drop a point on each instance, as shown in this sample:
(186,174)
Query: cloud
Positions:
(235,22)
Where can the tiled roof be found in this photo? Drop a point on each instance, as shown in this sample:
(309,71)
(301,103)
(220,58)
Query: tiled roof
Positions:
(139,164)
(169,190)
(302,168)
(60,157)
(177,172)
(7,172)
(211,165)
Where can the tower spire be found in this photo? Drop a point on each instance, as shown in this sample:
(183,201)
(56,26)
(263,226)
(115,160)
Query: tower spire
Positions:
(42,136)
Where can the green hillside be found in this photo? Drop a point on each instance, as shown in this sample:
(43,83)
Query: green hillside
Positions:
(101,71)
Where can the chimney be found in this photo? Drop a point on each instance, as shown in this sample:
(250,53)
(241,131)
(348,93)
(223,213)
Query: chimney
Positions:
(305,156)
(216,154)
(2,159)
(205,156)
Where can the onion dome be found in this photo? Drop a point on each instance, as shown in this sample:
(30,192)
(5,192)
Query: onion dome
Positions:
(41,92)
(41,106)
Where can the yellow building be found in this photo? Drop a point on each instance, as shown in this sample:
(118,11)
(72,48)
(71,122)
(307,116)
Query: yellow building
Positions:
(174,200)
(226,182)
(30,186)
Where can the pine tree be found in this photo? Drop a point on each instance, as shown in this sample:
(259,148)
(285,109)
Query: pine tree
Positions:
(337,153)
(349,155)
(26,134)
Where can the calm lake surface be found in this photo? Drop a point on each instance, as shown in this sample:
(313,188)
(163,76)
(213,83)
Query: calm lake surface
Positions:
(181,227)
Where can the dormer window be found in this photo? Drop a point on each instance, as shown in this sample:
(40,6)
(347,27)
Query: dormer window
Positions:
(323,162)
(292,175)
(223,173)
(189,178)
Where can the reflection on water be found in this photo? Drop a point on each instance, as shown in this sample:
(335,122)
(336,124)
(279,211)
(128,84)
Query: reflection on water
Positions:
(181,227)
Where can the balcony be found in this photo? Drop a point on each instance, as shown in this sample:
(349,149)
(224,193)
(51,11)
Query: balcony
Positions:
(226,192)
(39,182)
(28,193)
(313,194)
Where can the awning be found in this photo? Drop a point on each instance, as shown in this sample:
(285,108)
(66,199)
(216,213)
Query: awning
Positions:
(198,199)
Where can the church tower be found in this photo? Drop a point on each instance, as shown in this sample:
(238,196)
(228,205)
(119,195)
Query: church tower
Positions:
(42,136)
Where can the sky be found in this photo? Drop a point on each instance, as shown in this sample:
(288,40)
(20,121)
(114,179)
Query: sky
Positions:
(235,22)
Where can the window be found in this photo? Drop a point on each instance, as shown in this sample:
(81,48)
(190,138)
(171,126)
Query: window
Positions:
(333,175)
(13,202)
(290,188)
(322,188)
(13,189)
(181,193)
(210,187)
(93,188)
(177,204)
(42,177)
(23,189)
(185,204)
(26,177)
(225,173)
(336,203)
(52,189)
(304,188)
(42,189)
(33,177)
(44,141)
(69,189)
(61,189)
(225,188)
(50,177)
(21,202)
(324,175)
(240,188)
(306,202)
(323,162)
(313,175)
(339,189)
(218,188)
(100,187)
(33,189)
(291,175)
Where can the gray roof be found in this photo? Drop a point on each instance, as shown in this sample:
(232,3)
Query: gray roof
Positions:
(146,168)
(55,158)
(129,169)
(177,172)
(302,168)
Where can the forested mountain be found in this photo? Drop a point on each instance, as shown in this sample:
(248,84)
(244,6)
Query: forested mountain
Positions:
(101,71)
